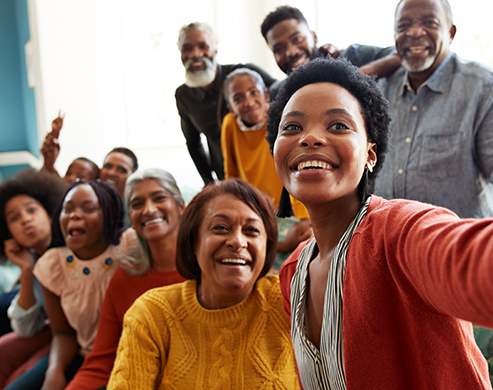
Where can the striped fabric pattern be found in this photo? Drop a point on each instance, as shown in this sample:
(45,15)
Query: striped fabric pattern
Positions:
(324,368)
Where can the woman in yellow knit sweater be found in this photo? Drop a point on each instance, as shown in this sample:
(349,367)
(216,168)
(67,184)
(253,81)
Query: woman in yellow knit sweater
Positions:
(224,328)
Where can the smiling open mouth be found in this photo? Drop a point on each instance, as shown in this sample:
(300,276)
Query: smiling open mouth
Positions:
(153,221)
(233,261)
(76,232)
(313,165)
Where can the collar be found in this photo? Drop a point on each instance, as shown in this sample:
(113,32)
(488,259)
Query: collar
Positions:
(256,126)
(436,82)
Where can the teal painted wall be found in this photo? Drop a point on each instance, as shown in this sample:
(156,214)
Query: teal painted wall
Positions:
(18,126)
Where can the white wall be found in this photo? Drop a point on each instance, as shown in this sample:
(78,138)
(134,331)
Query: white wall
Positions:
(113,65)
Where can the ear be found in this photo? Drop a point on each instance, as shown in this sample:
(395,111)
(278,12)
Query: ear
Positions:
(181,208)
(266,95)
(372,154)
(314,34)
(452,32)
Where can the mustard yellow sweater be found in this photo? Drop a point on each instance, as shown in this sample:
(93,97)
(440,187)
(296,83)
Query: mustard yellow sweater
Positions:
(170,341)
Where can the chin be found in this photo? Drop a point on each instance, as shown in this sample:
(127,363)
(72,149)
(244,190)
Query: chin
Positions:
(419,65)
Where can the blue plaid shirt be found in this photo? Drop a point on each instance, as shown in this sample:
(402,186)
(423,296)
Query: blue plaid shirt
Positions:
(441,141)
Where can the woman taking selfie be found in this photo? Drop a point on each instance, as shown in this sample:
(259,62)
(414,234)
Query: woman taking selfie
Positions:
(409,273)
(224,327)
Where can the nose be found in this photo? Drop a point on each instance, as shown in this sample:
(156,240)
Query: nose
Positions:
(312,138)
(249,101)
(416,31)
(237,240)
(292,50)
(26,217)
(149,207)
(196,52)
(75,214)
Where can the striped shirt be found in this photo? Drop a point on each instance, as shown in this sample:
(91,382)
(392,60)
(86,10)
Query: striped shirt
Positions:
(324,368)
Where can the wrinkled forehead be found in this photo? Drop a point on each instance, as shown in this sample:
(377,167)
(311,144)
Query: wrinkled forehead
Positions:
(423,8)
(196,36)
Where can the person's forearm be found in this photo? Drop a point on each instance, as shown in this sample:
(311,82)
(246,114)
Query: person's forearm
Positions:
(382,67)
(64,348)
(26,291)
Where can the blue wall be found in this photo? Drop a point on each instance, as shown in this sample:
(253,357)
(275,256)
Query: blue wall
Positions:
(18,126)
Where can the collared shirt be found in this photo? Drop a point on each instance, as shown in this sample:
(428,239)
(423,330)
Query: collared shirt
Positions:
(322,368)
(201,111)
(441,139)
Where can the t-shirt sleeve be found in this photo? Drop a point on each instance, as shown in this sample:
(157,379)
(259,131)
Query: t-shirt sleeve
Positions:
(49,271)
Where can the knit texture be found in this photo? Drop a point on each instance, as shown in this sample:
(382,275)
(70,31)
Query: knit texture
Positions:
(170,341)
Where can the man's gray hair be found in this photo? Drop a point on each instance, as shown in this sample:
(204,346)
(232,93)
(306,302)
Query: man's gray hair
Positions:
(140,257)
(259,81)
(202,26)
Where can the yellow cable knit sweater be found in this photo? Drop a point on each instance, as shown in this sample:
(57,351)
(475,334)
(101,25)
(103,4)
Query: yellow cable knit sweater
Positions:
(170,341)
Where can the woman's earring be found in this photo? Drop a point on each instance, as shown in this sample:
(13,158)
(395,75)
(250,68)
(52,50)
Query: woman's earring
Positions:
(369,166)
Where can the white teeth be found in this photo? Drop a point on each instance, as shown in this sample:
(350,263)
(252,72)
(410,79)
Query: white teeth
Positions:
(155,220)
(111,182)
(233,261)
(313,164)
(416,49)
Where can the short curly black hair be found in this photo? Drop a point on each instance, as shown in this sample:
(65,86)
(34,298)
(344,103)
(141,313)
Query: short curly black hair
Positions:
(44,187)
(280,14)
(374,106)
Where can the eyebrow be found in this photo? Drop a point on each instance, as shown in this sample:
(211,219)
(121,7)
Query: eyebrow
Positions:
(224,216)
(332,111)
(151,194)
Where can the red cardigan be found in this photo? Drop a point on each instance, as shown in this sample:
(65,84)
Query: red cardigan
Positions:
(122,291)
(412,271)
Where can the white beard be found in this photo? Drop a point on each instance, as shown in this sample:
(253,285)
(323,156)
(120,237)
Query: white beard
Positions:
(417,66)
(200,78)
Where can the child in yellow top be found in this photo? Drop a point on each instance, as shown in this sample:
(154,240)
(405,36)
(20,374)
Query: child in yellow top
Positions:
(246,151)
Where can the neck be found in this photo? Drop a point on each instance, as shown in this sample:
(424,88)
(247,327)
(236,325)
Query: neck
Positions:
(91,253)
(330,221)
(42,246)
(216,301)
(163,252)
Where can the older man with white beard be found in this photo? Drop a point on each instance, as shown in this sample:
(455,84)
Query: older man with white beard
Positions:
(199,101)
(442,117)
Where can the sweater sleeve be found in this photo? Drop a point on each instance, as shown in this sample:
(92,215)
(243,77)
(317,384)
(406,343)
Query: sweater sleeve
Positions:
(227,147)
(436,256)
(141,353)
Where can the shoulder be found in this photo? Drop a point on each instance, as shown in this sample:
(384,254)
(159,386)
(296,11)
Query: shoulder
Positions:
(229,122)
(164,297)
(181,90)
(288,268)
(394,218)
(472,69)
(49,269)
